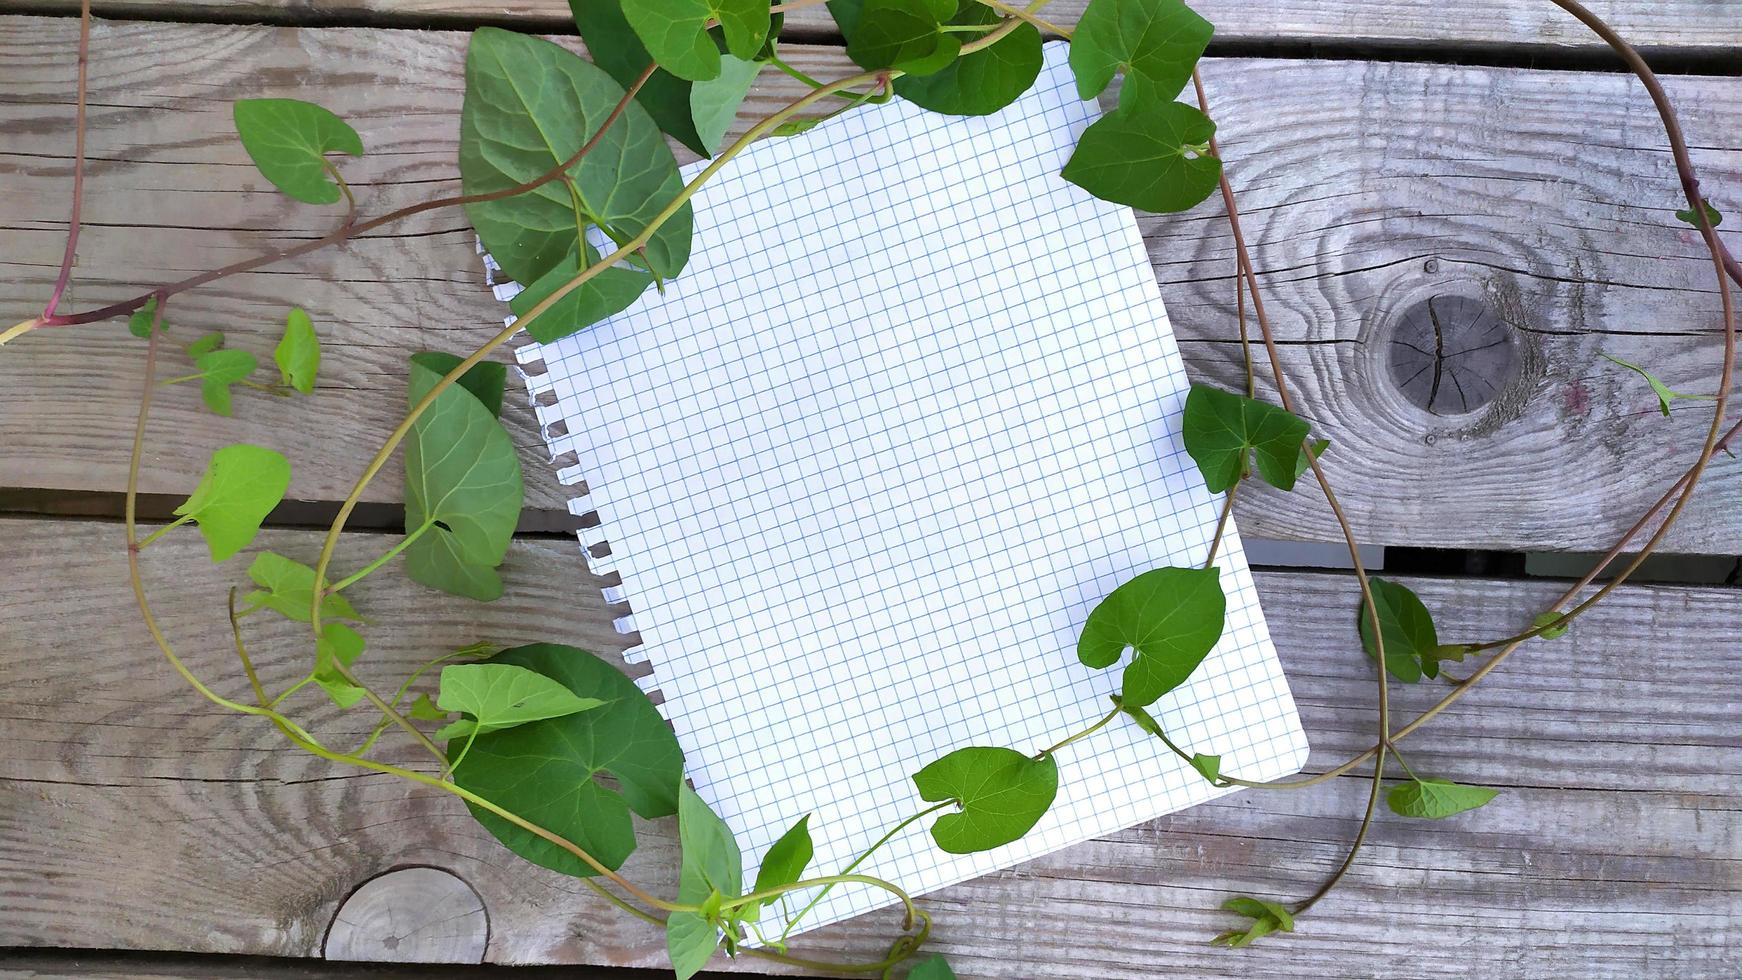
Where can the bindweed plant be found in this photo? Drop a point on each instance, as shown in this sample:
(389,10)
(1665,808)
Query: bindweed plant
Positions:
(557,152)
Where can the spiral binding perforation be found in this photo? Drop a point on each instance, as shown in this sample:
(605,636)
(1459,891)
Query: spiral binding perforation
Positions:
(565,459)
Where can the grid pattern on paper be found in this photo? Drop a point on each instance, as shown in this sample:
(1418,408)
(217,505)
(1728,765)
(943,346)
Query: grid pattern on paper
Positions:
(909,412)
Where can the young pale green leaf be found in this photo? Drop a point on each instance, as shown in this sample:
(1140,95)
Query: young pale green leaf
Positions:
(205,345)
(461,474)
(690,941)
(1224,431)
(984,81)
(486,380)
(1144,719)
(530,105)
(1412,644)
(1663,392)
(289,140)
(1550,625)
(1156,43)
(1150,156)
(1303,463)
(499,696)
(298,354)
(241,485)
(1172,618)
(613,46)
(932,969)
(139,322)
(904,34)
(1001,792)
(1436,799)
(219,369)
(423,709)
(609,292)
(626,738)
(1209,767)
(338,644)
(675,32)
(1267,917)
(714,103)
(289,589)
(786,859)
(1713,218)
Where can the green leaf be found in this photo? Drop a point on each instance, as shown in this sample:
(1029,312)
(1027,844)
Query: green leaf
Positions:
(530,105)
(289,140)
(786,859)
(1209,767)
(139,323)
(1156,43)
(486,380)
(338,643)
(1002,794)
(1266,916)
(241,485)
(1224,431)
(932,969)
(1172,617)
(690,941)
(712,863)
(1150,156)
(547,771)
(499,696)
(290,589)
(611,291)
(613,46)
(219,369)
(714,103)
(1664,394)
(1551,625)
(984,81)
(1302,464)
(1144,719)
(298,354)
(1713,218)
(206,344)
(676,32)
(1436,799)
(462,473)
(904,34)
(1412,644)
(423,709)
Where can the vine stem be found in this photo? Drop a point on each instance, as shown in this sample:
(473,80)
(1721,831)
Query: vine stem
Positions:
(1221,525)
(1085,733)
(391,554)
(73,222)
(861,859)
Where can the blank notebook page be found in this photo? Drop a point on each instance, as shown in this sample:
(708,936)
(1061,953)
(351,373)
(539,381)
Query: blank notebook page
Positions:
(909,413)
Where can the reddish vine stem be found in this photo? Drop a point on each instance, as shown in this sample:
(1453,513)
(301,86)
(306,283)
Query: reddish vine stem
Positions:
(350,230)
(66,262)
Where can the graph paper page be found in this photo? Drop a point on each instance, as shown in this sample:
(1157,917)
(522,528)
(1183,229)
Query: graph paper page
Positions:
(909,413)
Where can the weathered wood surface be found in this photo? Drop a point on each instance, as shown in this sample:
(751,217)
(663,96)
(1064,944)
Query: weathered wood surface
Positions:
(1675,25)
(1544,196)
(133,815)
(410,915)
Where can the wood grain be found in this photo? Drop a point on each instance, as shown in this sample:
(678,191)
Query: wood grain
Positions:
(134,815)
(1672,25)
(1544,195)
(410,915)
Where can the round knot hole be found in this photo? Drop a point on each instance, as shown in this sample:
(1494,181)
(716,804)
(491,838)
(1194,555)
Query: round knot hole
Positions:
(1451,354)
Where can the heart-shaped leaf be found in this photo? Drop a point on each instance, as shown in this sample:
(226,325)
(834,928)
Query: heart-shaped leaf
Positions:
(531,105)
(1156,43)
(1436,799)
(289,589)
(546,771)
(288,141)
(1002,794)
(241,485)
(676,32)
(932,969)
(984,81)
(904,34)
(609,292)
(462,476)
(613,46)
(1150,156)
(1223,431)
(786,859)
(714,103)
(499,696)
(298,354)
(690,941)
(486,380)
(1172,617)
(219,369)
(206,344)
(139,321)
(1412,644)
(338,644)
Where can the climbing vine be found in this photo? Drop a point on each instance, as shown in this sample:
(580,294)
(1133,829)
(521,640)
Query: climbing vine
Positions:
(559,154)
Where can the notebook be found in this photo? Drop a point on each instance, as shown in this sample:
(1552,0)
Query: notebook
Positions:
(911,410)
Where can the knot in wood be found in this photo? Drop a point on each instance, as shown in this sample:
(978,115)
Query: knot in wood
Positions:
(411,915)
(1451,354)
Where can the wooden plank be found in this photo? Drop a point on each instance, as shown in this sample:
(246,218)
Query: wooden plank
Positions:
(1552,216)
(143,819)
(1672,25)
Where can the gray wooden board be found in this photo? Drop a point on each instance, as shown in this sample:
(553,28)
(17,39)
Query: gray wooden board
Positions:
(134,815)
(1369,187)
(1672,25)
